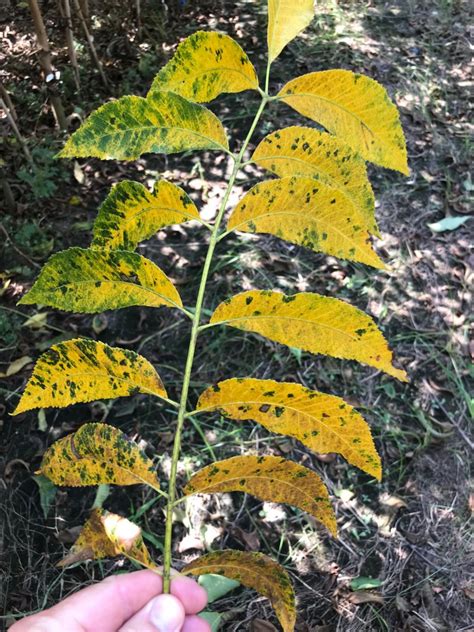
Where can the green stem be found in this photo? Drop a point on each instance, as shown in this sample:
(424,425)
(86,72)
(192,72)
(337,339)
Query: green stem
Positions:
(192,350)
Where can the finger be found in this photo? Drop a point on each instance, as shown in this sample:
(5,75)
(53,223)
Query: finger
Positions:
(195,624)
(43,623)
(104,606)
(190,593)
(164,613)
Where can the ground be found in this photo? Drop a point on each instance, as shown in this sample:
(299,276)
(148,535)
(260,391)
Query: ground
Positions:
(411,531)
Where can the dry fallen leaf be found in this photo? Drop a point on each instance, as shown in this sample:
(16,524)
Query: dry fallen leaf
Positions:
(16,366)
(365,596)
(251,540)
(37,321)
(191,541)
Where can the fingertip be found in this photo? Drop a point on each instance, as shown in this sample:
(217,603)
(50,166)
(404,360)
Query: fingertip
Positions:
(167,613)
(194,623)
(192,596)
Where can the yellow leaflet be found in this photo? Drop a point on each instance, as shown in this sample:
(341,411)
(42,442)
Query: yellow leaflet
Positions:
(286,19)
(92,542)
(97,454)
(269,478)
(90,281)
(306,151)
(131,126)
(127,539)
(85,370)
(256,571)
(204,66)
(108,535)
(309,213)
(131,213)
(311,322)
(355,108)
(323,423)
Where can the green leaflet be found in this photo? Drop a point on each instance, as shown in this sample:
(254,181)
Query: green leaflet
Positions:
(131,213)
(90,281)
(204,66)
(131,126)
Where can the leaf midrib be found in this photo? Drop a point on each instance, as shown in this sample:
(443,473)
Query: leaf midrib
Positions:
(337,105)
(134,285)
(318,169)
(276,316)
(204,72)
(147,209)
(284,405)
(114,464)
(141,128)
(112,376)
(257,477)
(322,219)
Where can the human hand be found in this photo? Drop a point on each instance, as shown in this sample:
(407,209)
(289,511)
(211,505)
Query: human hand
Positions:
(125,603)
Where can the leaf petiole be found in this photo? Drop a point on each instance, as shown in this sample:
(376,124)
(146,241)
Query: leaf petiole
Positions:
(196,328)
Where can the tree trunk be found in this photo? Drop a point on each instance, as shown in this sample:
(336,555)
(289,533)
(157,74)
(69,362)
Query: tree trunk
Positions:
(47,65)
(90,41)
(65,7)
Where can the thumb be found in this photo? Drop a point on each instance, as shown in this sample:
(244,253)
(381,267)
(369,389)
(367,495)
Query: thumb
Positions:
(167,613)
(164,613)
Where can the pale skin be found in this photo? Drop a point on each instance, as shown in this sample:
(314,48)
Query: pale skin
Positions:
(132,602)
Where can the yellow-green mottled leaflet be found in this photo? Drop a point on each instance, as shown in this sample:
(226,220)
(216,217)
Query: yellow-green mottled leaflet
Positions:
(256,571)
(85,370)
(311,322)
(269,478)
(131,213)
(205,65)
(131,126)
(304,151)
(323,423)
(97,454)
(90,281)
(309,213)
(355,108)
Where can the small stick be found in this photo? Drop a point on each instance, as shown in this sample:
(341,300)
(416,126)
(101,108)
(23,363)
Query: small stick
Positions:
(90,42)
(16,249)
(46,63)
(84,8)
(139,18)
(66,8)
(17,133)
(6,97)
(8,196)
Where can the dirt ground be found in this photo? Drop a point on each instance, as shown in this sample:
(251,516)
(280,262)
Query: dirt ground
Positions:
(410,534)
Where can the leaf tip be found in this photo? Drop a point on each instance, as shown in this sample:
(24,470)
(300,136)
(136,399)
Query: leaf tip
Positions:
(26,299)
(400,374)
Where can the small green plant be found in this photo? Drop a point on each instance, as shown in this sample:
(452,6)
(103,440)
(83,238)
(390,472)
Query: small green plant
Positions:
(321,199)
(44,176)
